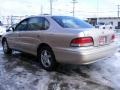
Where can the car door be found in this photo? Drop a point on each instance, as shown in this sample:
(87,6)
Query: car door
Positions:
(31,38)
(14,36)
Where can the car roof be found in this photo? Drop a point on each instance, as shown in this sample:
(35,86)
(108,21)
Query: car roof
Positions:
(45,15)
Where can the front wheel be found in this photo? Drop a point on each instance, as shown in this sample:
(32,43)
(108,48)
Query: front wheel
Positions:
(6,48)
(47,59)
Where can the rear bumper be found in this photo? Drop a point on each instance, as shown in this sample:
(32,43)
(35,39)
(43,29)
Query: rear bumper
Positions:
(84,55)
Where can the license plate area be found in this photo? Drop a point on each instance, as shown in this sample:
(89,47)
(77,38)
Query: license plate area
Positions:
(102,40)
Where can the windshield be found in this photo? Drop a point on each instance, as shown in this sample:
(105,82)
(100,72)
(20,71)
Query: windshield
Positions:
(71,22)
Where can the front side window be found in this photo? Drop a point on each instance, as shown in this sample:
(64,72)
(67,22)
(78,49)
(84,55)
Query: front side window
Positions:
(38,23)
(22,26)
(71,22)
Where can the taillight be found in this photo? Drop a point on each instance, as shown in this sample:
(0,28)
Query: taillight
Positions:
(82,41)
(113,38)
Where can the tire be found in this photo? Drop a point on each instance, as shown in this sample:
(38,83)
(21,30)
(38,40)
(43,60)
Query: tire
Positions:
(6,48)
(47,59)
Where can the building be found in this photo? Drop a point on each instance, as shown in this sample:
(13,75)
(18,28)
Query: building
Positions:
(114,21)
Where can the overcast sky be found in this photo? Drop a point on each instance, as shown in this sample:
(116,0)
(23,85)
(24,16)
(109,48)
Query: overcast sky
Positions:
(83,8)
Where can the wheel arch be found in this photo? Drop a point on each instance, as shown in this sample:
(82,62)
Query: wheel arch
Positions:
(3,39)
(43,45)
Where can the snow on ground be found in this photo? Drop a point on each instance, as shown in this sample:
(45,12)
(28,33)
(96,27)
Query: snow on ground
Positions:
(20,71)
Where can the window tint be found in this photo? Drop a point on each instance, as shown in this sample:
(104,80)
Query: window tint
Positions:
(38,23)
(71,22)
(22,26)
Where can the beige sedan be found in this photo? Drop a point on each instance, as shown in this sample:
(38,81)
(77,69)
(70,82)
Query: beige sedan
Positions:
(60,39)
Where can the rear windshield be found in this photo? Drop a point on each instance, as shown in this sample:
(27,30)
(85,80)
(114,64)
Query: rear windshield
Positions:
(71,22)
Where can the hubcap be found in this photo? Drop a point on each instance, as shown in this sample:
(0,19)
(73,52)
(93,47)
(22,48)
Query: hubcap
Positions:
(46,58)
(5,47)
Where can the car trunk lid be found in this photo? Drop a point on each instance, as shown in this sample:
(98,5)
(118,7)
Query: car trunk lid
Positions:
(100,37)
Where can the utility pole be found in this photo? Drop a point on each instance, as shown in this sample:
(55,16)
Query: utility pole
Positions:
(41,9)
(97,11)
(74,2)
(51,2)
(118,12)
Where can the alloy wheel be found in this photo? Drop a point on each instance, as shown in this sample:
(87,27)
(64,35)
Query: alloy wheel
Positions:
(46,58)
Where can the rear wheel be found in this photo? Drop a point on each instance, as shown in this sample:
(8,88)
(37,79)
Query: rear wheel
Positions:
(47,58)
(6,48)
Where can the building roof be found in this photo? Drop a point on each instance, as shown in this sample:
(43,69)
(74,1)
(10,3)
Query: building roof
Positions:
(105,18)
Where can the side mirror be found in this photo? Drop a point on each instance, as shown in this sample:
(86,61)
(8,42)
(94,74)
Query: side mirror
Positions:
(10,29)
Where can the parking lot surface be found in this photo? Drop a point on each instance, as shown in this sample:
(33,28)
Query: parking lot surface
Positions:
(21,71)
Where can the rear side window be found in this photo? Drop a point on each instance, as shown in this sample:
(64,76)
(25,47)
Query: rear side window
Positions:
(71,22)
(38,23)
